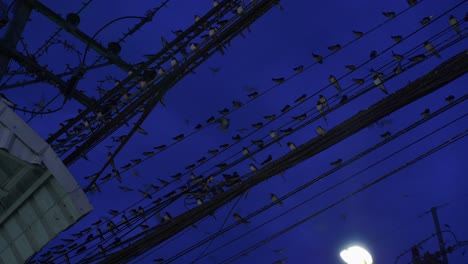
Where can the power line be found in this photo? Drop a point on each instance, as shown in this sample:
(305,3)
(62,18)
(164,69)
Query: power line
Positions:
(309,97)
(147,211)
(324,175)
(450,141)
(440,76)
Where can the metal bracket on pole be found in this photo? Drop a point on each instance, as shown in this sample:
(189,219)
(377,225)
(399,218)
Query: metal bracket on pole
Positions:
(57,19)
(22,12)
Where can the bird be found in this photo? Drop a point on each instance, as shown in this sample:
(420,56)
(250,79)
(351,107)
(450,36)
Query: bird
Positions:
(267,160)
(334,47)
(425,20)
(253,95)
(398,69)
(278,251)
(358,34)
(300,117)
(335,83)
(275,199)
(270,117)
(320,108)
(224,146)
(126,166)
(259,143)
(386,135)
(278,80)
(373,54)
(190,167)
(257,125)
(454,24)
(236,104)
(285,109)
(320,131)
(164,42)
(291,146)
(336,162)
(173,62)
(202,160)
(318,58)
(210,120)
(193,46)
(213,152)
(148,153)
(221,165)
(163,182)
(167,217)
(449,99)
(430,48)
(161,71)
(378,82)
(177,176)
(215,69)
(299,68)
(324,102)
(343,99)
(274,136)
(412,2)
(178,137)
(212,31)
(417,58)
(224,126)
(397,57)
(426,112)
(239,10)
(252,167)
(240,219)
(397,39)
(301,99)
(246,152)
(125,188)
(280,261)
(160,147)
(287,131)
(350,67)
(389,14)
(359,81)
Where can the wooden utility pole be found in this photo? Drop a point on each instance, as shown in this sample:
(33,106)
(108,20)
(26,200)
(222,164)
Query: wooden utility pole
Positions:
(440,76)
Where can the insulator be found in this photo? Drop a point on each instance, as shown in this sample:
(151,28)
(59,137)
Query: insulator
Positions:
(73,19)
(114,47)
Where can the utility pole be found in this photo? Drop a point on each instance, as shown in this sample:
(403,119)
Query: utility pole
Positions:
(435,217)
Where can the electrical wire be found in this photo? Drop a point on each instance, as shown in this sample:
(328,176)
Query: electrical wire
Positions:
(326,174)
(104,27)
(272,142)
(43,47)
(373,29)
(309,97)
(450,141)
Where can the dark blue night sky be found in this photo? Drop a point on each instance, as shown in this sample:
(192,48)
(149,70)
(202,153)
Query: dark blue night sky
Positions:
(387,218)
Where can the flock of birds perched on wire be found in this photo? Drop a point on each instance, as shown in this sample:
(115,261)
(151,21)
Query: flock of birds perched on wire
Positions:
(199,189)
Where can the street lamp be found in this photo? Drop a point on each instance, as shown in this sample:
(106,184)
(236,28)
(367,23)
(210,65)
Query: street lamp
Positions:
(356,255)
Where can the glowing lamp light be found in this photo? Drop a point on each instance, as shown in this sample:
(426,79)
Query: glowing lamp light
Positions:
(356,255)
